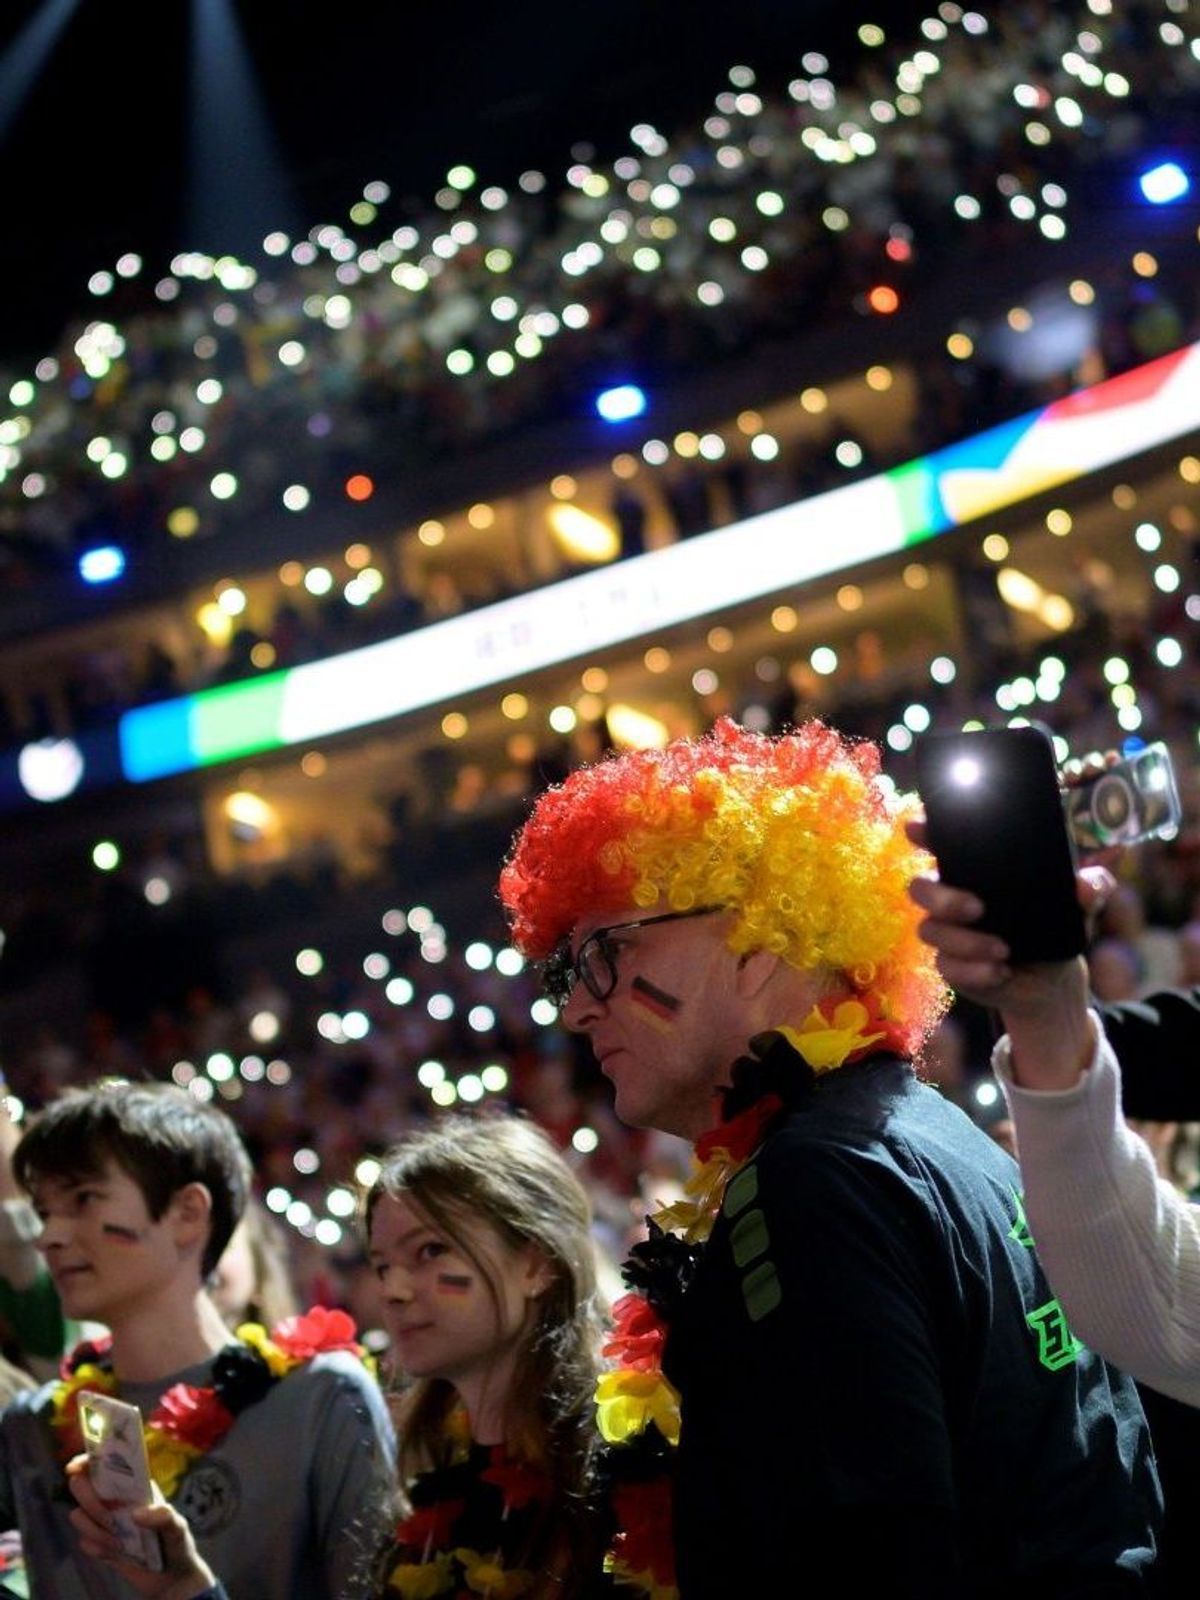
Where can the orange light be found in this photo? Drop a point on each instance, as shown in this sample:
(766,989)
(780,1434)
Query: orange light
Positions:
(359,487)
(884,299)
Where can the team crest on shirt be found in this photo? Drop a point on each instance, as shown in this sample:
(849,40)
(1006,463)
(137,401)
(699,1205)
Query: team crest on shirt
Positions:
(210,1497)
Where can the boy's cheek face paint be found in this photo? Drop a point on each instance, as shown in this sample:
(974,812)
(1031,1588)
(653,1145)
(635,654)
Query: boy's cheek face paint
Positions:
(454,1283)
(655,1003)
(116,1230)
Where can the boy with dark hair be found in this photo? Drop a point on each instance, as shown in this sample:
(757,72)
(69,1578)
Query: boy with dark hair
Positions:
(274,1446)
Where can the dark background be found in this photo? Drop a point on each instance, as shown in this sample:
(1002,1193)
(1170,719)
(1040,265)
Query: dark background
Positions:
(105,147)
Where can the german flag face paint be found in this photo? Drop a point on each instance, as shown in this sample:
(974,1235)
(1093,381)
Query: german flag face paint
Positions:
(455,1284)
(655,1004)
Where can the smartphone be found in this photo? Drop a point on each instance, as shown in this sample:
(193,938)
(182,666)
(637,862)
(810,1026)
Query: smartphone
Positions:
(1133,800)
(120,1470)
(996,822)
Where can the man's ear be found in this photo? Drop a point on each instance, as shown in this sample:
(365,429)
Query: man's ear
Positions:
(191,1213)
(755,970)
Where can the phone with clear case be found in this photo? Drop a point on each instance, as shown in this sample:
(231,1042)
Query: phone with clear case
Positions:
(120,1470)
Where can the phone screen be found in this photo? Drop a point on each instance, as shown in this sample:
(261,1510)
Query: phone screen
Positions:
(995,821)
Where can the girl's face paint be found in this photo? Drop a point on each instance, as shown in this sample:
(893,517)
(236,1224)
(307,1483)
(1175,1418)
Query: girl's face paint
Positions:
(655,1003)
(438,1303)
(114,1230)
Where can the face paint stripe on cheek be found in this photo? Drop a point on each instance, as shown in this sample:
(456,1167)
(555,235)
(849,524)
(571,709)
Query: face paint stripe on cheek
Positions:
(657,1002)
(114,1230)
(454,1282)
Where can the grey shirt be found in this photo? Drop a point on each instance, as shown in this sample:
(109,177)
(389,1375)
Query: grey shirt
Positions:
(286,1507)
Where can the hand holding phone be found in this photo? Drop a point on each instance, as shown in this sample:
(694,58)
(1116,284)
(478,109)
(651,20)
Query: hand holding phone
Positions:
(120,1470)
(995,820)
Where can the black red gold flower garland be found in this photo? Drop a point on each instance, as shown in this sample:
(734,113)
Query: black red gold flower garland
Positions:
(191,1419)
(470,1526)
(637,1406)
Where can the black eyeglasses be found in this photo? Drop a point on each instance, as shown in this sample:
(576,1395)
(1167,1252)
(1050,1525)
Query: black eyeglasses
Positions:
(595,962)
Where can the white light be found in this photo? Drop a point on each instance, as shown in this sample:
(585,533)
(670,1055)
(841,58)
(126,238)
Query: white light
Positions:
(478,956)
(510,962)
(430,1073)
(585,1140)
(399,991)
(481,1019)
(356,1025)
(543,1012)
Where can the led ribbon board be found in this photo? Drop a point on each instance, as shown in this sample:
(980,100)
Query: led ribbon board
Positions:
(647,594)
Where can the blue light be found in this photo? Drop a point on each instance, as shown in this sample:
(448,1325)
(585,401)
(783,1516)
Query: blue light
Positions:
(621,403)
(102,564)
(1164,183)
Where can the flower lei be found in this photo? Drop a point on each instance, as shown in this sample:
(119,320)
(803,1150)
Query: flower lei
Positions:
(191,1419)
(637,1406)
(470,1520)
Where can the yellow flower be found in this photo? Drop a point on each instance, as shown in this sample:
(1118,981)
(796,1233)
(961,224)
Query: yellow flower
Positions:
(257,1337)
(422,1580)
(694,1218)
(169,1459)
(628,1402)
(487,1577)
(85,1376)
(824,1044)
(645,1581)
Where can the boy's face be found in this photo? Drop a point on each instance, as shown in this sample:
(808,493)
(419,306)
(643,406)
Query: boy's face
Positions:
(106,1254)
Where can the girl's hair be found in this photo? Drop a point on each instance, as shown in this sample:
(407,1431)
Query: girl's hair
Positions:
(798,835)
(506,1172)
(274,1294)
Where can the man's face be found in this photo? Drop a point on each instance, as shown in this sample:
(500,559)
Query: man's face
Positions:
(107,1256)
(674,1022)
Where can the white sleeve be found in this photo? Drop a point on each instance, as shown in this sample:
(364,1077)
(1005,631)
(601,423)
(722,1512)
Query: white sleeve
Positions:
(1119,1245)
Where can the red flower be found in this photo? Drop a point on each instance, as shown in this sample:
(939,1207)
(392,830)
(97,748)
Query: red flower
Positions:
(637,1337)
(322,1328)
(430,1527)
(645,1542)
(194,1416)
(742,1134)
(519,1482)
(95,1352)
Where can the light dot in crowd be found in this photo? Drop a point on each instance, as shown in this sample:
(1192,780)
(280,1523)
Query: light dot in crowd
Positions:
(720,640)
(420,919)
(1147,536)
(942,670)
(960,346)
(394,922)
(562,718)
(916,576)
(764,447)
(754,258)
(1166,578)
(105,855)
(712,446)
(848,453)
(1189,469)
(306,1161)
(433,949)
(443,1093)
(899,738)
(509,962)
(157,891)
(399,991)
(705,681)
(657,659)
(594,680)
(481,1019)
(232,600)
(1129,717)
(356,1025)
(1144,264)
(655,452)
(278,1072)
(201,1089)
(470,1088)
(1168,652)
(879,378)
(318,580)
(263,1027)
(823,660)
(329,1026)
(440,1007)
(327,1231)
(814,401)
(454,725)
(376,965)
(366,1171)
(995,547)
(298,1213)
(543,1012)
(277,1199)
(478,955)
(494,1078)
(767,669)
(253,1069)
(309,963)
(784,619)
(917,717)
(585,1140)
(429,1073)
(182,1073)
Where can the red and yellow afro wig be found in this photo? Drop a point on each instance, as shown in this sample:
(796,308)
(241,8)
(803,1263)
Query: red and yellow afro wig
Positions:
(796,834)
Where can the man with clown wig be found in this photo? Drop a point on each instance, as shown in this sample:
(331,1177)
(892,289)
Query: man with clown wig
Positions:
(839,1361)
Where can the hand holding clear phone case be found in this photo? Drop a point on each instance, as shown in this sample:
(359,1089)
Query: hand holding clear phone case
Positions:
(119,1470)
